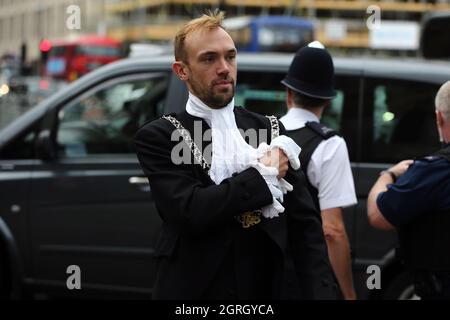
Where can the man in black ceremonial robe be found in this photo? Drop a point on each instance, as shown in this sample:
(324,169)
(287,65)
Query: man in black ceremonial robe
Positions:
(231,208)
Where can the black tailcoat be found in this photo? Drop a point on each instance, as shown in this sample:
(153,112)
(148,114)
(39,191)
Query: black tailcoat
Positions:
(200,233)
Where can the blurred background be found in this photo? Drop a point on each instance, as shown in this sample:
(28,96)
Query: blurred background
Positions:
(45,44)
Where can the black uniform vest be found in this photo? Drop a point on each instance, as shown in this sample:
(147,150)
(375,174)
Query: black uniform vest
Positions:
(425,241)
(308,138)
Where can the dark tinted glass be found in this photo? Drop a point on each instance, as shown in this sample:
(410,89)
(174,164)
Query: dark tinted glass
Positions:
(398,120)
(263,93)
(342,113)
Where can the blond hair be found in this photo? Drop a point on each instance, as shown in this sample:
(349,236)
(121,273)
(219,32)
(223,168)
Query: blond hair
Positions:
(209,21)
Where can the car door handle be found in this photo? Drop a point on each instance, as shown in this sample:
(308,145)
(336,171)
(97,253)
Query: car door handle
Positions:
(138,180)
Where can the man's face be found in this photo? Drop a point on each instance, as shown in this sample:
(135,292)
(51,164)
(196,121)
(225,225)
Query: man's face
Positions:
(211,67)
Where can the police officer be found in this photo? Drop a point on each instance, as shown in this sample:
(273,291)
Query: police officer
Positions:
(324,156)
(414,197)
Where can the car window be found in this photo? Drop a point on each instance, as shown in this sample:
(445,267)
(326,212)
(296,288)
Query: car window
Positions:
(104,120)
(267,96)
(261,92)
(399,120)
(332,115)
(342,113)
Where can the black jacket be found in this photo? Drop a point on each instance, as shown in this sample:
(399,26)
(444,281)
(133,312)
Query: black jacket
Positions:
(199,216)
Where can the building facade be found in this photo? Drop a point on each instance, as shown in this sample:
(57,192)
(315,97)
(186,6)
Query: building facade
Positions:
(339,24)
(27,22)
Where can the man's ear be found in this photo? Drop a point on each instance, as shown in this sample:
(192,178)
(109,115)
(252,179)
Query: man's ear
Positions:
(326,104)
(180,70)
(439,118)
(439,123)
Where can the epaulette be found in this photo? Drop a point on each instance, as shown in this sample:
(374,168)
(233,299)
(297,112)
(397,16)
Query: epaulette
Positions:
(321,129)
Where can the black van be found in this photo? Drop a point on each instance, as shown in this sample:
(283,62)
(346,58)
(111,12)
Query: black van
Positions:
(72,192)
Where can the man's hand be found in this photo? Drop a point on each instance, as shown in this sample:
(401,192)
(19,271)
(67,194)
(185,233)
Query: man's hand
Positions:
(401,167)
(276,158)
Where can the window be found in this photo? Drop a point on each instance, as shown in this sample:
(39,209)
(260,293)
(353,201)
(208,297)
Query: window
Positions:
(283,38)
(58,51)
(399,120)
(261,92)
(267,96)
(104,120)
(97,51)
(342,113)
(332,115)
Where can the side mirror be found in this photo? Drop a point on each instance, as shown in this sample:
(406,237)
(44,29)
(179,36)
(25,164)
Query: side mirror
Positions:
(45,148)
(434,42)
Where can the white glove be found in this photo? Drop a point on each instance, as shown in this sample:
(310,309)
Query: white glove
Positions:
(276,192)
(277,187)
(272,211)
(285,186)
(290,148)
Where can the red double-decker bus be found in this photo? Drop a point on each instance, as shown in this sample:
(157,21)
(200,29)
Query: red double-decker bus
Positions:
(73,58)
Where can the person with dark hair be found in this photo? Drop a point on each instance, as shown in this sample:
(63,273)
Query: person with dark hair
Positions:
(230,209)
(324,157)
(414,198)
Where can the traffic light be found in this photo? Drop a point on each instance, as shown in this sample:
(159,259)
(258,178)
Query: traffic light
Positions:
(45,47)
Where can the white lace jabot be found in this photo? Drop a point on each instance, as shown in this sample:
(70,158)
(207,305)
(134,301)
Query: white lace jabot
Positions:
(231,153)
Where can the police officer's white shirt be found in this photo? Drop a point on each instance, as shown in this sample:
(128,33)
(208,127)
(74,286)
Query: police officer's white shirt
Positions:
(329,169)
